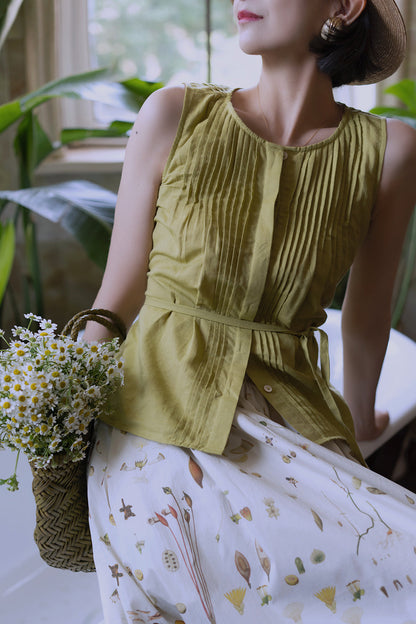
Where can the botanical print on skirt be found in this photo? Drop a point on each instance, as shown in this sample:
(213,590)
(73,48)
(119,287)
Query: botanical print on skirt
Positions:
(276,530)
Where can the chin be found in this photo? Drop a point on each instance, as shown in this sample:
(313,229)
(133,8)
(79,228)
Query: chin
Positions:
(265,45)
(248,46)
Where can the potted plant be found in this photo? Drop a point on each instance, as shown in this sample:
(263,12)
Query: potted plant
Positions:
(82,208)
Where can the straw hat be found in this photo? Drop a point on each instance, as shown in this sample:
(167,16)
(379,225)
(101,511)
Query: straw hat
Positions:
(387,46)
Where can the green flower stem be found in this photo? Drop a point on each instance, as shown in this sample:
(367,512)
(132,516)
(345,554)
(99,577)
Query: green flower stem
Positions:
(12,482)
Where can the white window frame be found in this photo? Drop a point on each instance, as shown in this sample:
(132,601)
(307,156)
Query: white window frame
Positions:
(72,23)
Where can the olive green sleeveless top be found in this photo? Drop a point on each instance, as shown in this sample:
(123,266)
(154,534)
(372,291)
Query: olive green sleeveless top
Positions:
(250,241)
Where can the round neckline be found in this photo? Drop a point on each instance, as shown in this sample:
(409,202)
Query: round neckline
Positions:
(287,148)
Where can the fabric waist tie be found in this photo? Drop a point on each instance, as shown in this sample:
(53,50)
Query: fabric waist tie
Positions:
(210,315)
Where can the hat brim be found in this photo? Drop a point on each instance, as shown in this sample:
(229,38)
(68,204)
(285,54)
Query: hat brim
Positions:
(388,40)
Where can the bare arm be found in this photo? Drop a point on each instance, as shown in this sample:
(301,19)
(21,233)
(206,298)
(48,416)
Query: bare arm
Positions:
(366,315)
(124,282)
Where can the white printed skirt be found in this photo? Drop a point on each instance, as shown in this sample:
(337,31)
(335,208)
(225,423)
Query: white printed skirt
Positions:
(276,530)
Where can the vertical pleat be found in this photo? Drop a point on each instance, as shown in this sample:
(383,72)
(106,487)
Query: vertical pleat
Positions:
(255,231)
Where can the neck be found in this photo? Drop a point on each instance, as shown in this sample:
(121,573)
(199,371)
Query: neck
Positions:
(296,101)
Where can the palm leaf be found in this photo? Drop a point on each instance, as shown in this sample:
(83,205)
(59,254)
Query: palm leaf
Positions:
(390,111)
(114,130)
(82,208)
(8,13)
(99,85)
(7,248)
(31,145)
(405,91)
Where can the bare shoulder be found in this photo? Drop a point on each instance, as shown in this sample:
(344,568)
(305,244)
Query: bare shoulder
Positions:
(397,191)
(400,158)
(154,130)
(162,110)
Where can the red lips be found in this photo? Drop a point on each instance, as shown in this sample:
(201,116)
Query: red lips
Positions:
(247,16)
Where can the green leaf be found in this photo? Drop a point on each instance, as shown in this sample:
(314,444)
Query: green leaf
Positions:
(31,146)
(82,208)
(140,88)
(7,250)
(32,276)
(121,126)
(116,129)
(405,90)
(9,113)
(99,85)
(8,13)
(390,111)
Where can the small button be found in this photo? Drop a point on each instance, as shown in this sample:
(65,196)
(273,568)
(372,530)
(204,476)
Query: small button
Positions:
(284,155)
(268,388)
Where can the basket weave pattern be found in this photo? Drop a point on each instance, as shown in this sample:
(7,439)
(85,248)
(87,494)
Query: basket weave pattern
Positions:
(62,531)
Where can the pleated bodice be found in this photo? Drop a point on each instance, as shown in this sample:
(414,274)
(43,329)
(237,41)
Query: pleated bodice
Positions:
(250,241)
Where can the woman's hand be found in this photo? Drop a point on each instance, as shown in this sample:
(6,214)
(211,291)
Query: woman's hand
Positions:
(371,430)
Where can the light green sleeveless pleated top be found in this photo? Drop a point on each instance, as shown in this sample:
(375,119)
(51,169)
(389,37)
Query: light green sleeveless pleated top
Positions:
(250,241)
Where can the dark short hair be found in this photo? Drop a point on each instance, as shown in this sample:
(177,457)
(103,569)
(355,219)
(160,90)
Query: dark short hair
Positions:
(344,55)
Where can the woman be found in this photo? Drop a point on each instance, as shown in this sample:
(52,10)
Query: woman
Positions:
(233,495)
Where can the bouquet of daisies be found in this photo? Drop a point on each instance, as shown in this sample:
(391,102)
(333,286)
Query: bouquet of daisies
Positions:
(51,388)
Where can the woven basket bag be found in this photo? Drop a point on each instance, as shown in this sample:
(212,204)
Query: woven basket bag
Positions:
(62,532)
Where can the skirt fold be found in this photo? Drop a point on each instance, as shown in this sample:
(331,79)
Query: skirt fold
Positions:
(276,530)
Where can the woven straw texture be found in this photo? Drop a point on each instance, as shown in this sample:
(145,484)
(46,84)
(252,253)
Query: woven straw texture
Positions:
(62,532)
(387,47)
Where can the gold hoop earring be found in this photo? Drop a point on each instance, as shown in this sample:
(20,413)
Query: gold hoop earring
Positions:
(331,27)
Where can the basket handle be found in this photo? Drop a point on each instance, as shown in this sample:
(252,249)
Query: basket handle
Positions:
(108,319)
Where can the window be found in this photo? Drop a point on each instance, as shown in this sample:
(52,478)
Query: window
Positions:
(188,40)
(172,42)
